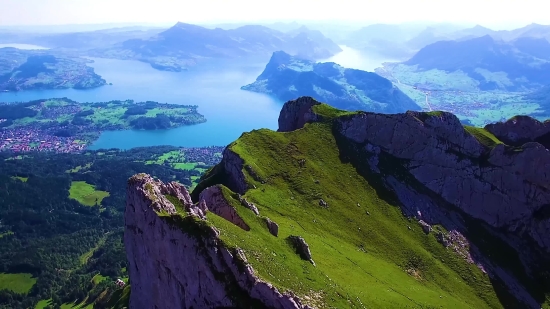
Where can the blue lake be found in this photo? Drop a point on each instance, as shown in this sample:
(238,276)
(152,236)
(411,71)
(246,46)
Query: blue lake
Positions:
(214,87)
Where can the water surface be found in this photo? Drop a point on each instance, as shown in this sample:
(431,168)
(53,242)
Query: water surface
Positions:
(356,59)
(214,87)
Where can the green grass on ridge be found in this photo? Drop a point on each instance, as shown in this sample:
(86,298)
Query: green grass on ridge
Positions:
(371,260)
(86,194)
(483,136)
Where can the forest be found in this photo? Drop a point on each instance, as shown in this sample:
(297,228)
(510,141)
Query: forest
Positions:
(61,219)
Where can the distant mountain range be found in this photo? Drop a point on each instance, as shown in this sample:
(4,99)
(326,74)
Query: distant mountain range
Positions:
(391,39)
(404,40)
(517,65)
(79,40)
(33,70)
(184,44)
(287,77)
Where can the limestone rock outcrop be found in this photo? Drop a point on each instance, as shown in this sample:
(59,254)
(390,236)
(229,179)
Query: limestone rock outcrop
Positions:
(296,113)
(176,260)
(503,186)
(272,227)
(302,248)
(519,130)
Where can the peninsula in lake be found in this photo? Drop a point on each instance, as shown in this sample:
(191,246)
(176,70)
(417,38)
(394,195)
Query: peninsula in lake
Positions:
(287,77)
(185,45)
(63,125)
(32,70)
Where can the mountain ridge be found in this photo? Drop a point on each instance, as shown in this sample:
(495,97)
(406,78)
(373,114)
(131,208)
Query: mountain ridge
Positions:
(381,185)
(184,45)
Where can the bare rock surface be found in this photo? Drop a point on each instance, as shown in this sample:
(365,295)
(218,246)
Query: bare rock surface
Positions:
(519,130)
(272,227)
(297,113)
(216,203)
(302,248)
(503,186)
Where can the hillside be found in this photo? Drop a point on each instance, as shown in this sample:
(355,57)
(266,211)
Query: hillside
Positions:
(350,210)
(184,45)
(287,77)
(34,70)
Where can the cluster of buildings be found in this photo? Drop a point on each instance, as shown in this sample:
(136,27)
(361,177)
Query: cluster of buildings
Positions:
(207,155)
(33,139)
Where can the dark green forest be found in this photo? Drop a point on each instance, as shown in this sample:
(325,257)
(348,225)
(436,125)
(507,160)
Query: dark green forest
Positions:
(63,243)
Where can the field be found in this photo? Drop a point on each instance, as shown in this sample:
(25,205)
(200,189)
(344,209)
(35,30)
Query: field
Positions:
(86,194)
(177,160)
(98,278)
(46,302)
(458,93)
(19,283)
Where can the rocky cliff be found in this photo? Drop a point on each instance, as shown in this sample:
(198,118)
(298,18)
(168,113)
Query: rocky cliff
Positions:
(470,168)
(177,260)
(317,213)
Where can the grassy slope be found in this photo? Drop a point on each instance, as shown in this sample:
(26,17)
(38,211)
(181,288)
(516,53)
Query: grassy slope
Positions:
(483,136)
(86,194)
(361,259)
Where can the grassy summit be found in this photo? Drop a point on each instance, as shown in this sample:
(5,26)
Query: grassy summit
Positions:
(366,253)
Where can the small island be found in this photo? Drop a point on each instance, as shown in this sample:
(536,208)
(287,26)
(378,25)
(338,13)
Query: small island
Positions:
(36,70)
(63,125)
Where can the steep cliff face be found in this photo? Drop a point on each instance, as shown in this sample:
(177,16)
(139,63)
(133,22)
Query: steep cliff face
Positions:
(415,209)
(507,187)
(176,259)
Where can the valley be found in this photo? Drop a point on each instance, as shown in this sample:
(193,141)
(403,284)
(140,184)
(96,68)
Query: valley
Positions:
(457,93)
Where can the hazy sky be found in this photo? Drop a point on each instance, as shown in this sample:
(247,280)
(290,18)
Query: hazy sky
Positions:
(485,12)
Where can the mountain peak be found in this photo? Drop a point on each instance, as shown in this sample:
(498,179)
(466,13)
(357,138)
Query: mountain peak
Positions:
(480,27)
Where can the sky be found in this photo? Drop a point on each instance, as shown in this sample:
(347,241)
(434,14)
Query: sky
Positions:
(484,12)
